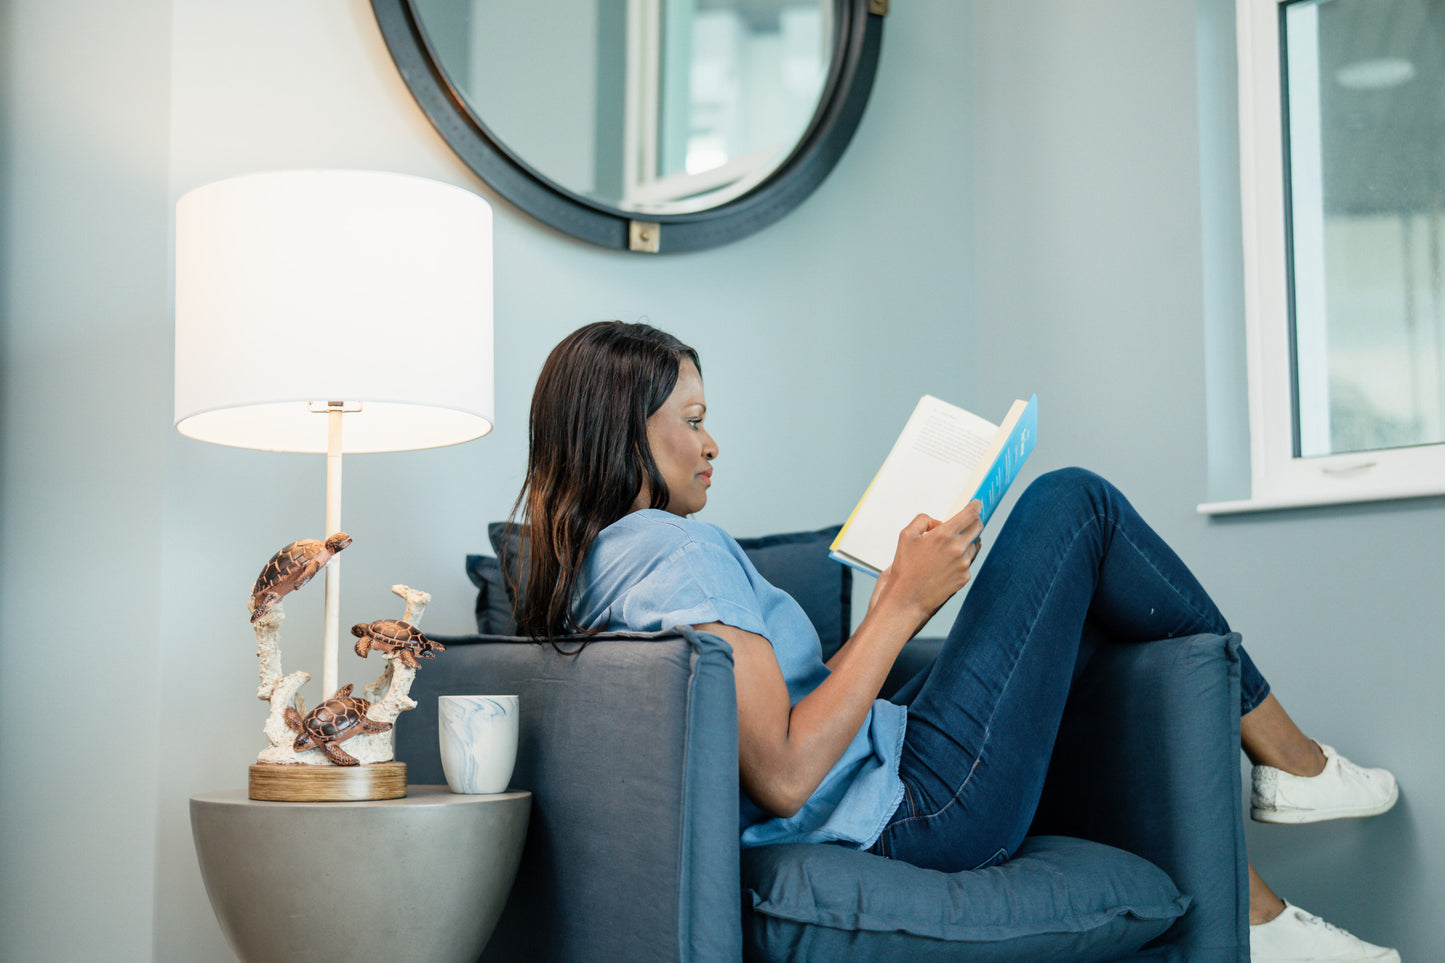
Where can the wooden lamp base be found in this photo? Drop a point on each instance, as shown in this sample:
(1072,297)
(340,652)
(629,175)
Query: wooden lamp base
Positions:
(380,780)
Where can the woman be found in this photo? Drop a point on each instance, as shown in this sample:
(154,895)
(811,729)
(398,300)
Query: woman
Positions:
(619,457)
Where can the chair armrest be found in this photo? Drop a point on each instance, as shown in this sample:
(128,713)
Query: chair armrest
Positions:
(1148,760)
(630,750)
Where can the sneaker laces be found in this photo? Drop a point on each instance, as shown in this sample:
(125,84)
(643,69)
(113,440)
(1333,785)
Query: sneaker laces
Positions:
(1352,768)
(1314,920)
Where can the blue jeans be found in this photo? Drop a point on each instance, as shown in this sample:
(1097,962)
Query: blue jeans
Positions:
(1074,564)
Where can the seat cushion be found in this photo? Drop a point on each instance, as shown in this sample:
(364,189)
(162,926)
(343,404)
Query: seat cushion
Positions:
(1058,899)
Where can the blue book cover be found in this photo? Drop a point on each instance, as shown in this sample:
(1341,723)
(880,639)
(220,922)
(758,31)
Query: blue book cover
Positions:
(1010,460)
(944,458)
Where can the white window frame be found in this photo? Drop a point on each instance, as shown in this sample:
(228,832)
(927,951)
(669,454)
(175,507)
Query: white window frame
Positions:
(1278,479)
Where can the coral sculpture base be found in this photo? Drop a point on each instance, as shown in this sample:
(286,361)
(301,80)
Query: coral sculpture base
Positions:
(382,780)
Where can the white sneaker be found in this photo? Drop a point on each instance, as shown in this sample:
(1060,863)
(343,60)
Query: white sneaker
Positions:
(1295,936)
(1343,790)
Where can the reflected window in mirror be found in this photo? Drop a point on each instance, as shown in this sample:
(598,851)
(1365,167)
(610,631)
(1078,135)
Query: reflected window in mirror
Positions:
(651,107)
(653,126)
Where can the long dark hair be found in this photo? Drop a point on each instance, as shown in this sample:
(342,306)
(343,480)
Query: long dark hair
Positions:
(587,457)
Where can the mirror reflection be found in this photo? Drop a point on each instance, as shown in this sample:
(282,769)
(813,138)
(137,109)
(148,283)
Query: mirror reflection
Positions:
(647,106)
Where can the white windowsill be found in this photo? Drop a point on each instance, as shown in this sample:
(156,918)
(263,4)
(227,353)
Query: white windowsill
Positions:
(1246,505)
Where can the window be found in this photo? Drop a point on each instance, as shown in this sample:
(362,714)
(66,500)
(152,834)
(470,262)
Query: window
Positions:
(1342,135)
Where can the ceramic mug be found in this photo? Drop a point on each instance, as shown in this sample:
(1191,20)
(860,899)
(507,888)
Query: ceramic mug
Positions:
(478,741)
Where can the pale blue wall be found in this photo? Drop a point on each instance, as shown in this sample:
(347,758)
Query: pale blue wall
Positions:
(1021,211)
(84,394)
(1107,224)
(128,551)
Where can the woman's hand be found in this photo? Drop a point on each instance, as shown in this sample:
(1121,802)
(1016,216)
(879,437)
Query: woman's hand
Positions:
(932,562)
(784,749)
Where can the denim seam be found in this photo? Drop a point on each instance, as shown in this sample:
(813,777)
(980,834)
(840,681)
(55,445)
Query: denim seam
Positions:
(988,729)
(1101,521)
(1168,581)
(1249,701)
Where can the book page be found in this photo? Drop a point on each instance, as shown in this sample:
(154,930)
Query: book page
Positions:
(939,438)
(929,464)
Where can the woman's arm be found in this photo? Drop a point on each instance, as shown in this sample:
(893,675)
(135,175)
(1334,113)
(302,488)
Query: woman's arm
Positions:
(785,750)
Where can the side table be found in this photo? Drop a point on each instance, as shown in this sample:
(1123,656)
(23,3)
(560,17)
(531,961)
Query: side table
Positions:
(420,878)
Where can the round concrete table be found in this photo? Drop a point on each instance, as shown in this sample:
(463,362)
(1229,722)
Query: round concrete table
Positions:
(424,877)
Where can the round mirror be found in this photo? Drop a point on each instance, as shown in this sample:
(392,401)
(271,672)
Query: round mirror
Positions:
(649,125)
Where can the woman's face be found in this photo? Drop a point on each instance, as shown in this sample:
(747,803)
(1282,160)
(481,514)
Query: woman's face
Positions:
(681,447)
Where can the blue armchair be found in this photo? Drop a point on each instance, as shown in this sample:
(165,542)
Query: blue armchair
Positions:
(629,746)
(630,751)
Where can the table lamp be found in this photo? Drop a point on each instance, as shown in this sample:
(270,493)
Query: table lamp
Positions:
(333,311)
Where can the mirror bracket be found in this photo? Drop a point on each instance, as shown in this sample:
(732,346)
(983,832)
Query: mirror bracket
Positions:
(644,236)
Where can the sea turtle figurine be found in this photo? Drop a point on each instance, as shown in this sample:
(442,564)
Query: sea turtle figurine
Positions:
(391,635)
(291,568)
(332,723)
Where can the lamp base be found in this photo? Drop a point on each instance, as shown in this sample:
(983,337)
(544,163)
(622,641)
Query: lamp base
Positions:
(380,780)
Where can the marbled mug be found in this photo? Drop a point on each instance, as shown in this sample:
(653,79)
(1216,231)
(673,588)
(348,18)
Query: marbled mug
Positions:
(478,741)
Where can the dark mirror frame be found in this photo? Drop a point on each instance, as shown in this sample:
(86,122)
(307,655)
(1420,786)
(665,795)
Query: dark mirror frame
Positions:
(859,35)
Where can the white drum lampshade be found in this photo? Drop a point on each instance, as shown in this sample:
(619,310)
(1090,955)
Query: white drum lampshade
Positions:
(331,312)
(298,288)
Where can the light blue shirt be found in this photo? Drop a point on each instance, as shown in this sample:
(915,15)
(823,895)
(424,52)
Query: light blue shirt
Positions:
(652,570)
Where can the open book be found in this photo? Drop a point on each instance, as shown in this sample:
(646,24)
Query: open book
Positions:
(945,458)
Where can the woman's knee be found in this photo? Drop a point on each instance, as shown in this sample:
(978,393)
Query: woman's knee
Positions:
(1064,500)
(1069,483)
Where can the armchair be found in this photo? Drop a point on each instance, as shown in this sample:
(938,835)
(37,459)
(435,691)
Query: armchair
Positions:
(629,747)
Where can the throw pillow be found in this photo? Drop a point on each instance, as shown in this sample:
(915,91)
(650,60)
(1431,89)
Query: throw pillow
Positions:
(494,602)
(509,541)
(796,562)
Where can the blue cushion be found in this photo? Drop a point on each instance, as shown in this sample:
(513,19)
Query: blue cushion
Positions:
(494,604)
(1058,898)
(796,562)
(509,542)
